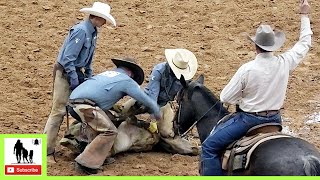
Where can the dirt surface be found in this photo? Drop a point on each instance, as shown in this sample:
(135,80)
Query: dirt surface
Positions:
(33,31)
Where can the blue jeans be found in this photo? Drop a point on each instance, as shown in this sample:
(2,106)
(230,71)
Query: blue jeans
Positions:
(225,134)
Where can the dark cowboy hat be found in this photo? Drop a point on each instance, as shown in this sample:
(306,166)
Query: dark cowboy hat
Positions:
(131,64)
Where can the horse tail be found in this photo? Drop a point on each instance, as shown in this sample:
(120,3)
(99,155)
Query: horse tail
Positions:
(311,165)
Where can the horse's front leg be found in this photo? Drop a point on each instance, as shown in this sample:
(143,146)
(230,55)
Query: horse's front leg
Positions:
(132,136)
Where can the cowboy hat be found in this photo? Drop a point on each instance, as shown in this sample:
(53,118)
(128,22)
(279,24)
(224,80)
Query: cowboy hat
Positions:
(101,10)
(267,39)
(132,65)
(182,62)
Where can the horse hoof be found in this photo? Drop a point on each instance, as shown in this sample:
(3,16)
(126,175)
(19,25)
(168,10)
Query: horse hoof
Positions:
(71,144)
(109,160)
(85,170)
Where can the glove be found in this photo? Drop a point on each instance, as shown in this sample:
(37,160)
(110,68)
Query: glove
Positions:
(74,83)
(153,128)
(117,108)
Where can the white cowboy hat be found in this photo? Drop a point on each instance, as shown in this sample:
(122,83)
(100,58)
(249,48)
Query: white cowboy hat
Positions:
(101,10)
(182,62)
(267,39)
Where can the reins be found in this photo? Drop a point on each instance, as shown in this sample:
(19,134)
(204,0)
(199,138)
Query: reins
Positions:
(190,128)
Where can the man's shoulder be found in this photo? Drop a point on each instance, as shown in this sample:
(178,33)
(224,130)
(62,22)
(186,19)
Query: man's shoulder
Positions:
(116,76)
(80,26)
(160,67)
(246,66)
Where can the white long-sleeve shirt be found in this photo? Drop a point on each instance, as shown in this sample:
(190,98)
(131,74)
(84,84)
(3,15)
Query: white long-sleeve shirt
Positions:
(261,84)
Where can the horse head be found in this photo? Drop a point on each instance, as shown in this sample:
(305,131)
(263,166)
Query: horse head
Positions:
(197,106)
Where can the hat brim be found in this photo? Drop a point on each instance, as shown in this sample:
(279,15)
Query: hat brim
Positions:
(278,41)
(105,16)
(189,72)
(136,69)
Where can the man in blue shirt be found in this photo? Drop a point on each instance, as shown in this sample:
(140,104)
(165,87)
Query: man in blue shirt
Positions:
(90,101)
(74,66)
(163,86)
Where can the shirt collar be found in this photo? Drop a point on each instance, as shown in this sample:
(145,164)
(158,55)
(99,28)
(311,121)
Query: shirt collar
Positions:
(264,55)
(120,70)
(90,26)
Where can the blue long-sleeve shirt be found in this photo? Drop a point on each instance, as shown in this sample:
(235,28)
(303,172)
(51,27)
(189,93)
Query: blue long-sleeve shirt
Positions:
(163,85)
(78,49)
(109,87)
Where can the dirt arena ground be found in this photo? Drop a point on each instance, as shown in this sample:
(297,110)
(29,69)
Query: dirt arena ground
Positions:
(33,31)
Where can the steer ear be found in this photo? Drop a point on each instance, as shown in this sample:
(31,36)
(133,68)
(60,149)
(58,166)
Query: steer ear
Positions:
(200,79)
(183,81)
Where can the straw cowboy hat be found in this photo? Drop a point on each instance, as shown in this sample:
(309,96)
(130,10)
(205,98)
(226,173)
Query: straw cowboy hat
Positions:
(101,10)
(182,62)
(268,39)
(132,65)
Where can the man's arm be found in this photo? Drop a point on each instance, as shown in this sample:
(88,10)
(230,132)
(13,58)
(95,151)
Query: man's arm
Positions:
(300,49)
(72,49)
(134,91)
(232,92)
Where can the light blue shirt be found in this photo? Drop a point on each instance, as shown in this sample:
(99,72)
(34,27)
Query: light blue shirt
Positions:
(78,49)
(109,87)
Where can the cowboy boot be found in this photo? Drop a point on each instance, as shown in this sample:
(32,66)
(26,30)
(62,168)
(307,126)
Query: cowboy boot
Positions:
(97,151)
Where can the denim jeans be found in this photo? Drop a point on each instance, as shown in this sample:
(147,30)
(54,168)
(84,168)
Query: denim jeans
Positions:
(225,134)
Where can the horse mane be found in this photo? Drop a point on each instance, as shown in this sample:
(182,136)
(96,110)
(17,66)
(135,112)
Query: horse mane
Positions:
(207,93)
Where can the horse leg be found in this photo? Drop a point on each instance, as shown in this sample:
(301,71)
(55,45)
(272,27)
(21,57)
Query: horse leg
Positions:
(133,138)
(165,125)
(179,145)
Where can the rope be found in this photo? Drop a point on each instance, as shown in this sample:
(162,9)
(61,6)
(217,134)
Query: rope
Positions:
(190,128)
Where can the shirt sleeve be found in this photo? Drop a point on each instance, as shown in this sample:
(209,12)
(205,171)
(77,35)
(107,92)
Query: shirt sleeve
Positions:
(294,56)
(232,92)
(134,91)
(153,87)
(72,49)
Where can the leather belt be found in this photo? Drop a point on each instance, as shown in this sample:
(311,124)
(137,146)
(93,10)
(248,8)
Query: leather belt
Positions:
(265,113)
(82,101)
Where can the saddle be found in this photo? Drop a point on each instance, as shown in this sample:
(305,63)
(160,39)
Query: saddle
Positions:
(237,155)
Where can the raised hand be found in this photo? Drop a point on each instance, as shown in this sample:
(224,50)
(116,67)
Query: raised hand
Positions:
(304,7)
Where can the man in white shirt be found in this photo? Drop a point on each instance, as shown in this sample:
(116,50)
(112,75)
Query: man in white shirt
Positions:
(258,88)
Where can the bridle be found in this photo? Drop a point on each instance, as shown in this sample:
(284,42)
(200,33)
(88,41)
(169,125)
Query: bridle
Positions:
(198,120)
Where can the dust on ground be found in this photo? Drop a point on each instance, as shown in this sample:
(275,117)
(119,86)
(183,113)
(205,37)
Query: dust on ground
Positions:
(33,31)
